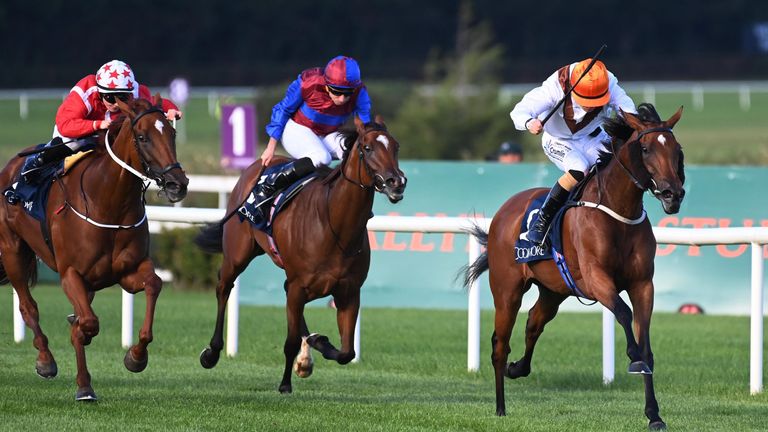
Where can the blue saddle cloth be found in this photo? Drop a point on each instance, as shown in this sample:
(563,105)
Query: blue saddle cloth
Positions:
(261,218)
(34,196)
(526,251)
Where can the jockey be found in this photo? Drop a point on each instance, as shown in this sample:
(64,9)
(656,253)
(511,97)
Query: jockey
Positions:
(90,107)
(572,138)
(308,118)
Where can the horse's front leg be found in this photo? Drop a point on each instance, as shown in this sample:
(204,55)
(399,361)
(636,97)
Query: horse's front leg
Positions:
(83,329)
(144,279)
(296,299)
(346,319)
(641,296)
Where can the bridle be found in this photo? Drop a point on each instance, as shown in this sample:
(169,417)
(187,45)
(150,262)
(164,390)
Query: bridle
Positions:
(363,162)
(651,184)
(155,175)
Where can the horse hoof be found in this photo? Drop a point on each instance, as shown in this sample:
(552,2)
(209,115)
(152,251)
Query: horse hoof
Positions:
(285,389)
(515,370)
(46,370)
(501,412)
(134,365)
(657,425)
(317,341)
(209,358)
(639,367)
(86,394)
(71,318)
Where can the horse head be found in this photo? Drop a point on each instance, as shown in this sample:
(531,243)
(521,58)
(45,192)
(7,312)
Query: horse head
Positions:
(155,142)
(377,151)
(656,157)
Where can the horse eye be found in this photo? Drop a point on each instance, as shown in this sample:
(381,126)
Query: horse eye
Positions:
(367,148)
(645,149)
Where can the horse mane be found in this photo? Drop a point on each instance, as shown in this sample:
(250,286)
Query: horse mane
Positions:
(619,131)
(348,137)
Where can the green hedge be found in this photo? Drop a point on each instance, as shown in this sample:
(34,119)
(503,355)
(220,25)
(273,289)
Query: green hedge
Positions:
(174,250)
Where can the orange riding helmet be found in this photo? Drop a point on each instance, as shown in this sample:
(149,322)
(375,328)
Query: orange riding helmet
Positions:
(592,90)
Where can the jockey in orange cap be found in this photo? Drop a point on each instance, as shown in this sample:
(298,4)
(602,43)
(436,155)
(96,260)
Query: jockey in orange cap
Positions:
(572,138)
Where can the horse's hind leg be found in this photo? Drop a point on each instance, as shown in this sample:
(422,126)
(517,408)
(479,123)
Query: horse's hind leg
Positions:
(295,315)
(144,279)
(508,289)
(541,313)
(239,250)
(642,304)
(19,265)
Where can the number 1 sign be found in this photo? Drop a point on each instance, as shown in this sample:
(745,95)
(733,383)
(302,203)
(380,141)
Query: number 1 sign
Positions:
(238,135)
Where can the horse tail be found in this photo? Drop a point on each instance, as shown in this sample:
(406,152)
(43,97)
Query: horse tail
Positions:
(210,238)
(473,271)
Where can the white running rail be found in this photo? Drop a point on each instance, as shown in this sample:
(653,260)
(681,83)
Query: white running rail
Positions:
(756,237)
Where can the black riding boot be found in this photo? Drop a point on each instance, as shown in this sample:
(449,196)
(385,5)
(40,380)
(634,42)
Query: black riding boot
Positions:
(270,183)
(53,152)
(557,197)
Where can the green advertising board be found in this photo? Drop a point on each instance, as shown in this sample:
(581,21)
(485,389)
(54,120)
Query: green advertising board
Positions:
(419,270)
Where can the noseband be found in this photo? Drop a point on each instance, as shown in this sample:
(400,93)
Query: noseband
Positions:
(637,183)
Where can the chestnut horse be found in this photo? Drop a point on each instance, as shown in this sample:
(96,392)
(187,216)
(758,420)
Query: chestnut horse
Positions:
(607,251)
(96,232)
(321,239)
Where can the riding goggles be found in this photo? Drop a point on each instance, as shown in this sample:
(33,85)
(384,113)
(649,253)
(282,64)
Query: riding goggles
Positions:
(340,91)
(110,97)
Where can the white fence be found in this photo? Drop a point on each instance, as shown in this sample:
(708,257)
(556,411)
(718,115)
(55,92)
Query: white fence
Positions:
(707,236)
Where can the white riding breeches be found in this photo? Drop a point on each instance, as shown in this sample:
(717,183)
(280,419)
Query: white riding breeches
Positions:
(577,155)
(299,141)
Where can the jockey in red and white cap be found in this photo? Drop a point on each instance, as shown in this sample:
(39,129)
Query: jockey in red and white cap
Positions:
(90,106)
(308,118)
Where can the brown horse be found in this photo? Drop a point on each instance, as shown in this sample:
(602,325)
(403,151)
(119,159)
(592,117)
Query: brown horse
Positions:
(321,238)
(606,253)
(96,233)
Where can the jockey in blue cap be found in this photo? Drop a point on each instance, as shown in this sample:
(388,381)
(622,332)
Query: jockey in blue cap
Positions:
(308,118)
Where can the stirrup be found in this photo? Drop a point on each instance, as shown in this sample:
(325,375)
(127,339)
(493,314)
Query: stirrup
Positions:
(11,196)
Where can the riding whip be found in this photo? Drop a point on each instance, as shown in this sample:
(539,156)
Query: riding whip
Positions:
(568,93)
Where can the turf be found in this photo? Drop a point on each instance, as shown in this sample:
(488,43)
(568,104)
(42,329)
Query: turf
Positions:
(412,376)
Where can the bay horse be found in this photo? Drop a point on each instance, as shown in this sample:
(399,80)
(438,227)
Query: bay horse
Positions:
(96,232)
(607,251)
(321,242)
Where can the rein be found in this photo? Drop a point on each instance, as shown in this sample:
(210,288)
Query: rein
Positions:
(361,157)
(144,179)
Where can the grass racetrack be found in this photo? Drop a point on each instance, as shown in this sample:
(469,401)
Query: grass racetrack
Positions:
(412,375)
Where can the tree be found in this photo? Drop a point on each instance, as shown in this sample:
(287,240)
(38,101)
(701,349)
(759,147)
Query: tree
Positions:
(458,114)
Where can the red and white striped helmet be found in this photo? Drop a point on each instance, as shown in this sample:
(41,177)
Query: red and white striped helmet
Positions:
(115,77)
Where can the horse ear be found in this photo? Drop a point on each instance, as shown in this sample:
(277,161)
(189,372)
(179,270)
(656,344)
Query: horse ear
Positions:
(674,119)
(632,120)
(125,108)
(380,120)
(157,100)
(359,125)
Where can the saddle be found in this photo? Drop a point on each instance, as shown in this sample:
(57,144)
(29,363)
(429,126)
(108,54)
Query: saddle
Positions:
(261,215)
